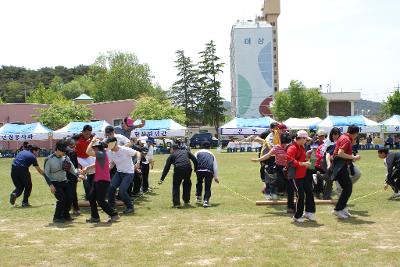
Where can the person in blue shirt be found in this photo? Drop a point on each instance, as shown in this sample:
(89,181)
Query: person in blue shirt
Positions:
(21,176)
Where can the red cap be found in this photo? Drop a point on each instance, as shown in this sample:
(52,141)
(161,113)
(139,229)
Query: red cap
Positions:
(282,126)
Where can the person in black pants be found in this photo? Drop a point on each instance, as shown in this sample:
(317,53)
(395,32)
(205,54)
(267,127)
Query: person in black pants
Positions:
(343,157)
(392,163)
(207,169)
(72,179)
(182,172)
(21,176)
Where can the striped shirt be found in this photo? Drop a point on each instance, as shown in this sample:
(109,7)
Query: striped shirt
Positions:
(280,155)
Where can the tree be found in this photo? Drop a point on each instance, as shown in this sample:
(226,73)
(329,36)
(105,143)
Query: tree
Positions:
(298,102)
(392,104)
(78,86)
(150,108)
(43,95)
(119,75)
(211,102)
(14,92)
(184,92)
(60,113)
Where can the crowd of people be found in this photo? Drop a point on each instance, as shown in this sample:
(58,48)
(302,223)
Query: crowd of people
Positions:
(118,167)
(117,162)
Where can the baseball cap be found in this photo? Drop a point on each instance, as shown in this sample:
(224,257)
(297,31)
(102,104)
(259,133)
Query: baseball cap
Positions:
(321,132)
(109,129)
(303,134)
(128,121)
(282,126)
(99,143)
(151,140)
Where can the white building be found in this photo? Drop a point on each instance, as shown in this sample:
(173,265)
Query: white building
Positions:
(252,67)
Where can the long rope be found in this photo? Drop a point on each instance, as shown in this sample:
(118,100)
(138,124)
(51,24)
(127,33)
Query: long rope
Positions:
(238,194)
(367,195)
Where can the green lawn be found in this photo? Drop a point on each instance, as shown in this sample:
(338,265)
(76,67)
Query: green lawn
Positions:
(234,232)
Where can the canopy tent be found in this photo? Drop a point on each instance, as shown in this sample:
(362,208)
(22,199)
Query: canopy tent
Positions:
(240,126)
(391,125)
(302,124)
(160,129)
(24,132)
(366,125)
(76,127)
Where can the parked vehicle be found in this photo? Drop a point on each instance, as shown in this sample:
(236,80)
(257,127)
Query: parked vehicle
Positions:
(198,139)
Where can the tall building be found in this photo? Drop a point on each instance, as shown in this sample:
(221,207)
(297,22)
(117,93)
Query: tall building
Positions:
(252,69)
(271,11)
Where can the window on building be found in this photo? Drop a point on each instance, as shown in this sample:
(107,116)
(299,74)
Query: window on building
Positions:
(273,23)
(276,89)
(275,81)
(117,122)
(274,48)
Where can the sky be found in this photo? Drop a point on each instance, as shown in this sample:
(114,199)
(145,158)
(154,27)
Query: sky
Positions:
(351,44)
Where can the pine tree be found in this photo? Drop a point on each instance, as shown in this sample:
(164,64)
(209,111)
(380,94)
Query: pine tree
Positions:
(211,102)
(184,92)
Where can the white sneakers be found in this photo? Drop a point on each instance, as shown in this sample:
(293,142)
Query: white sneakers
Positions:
(396,195)
(206,204)
(341,214)
(310,216)
(307,215)
(274,196)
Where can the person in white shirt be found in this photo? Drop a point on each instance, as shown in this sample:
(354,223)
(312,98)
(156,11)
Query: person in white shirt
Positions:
(121,157)
(121,140)
(148,152)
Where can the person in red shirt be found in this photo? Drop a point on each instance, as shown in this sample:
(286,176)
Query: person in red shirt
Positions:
(84,160)
(296,157)
(344,152)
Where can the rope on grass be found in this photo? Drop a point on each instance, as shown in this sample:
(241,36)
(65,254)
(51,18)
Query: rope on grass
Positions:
(367,195)
(236,193)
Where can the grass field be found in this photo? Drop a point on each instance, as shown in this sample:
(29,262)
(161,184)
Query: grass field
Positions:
(234,232)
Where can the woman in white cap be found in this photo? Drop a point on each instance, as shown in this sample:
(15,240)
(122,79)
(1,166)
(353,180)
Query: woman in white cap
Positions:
(296,157)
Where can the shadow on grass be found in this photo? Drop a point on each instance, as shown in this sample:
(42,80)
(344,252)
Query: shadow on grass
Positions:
(213,205)
(60,225)
(102,224)
(362,213)
(355,221)
(282,213)
(308,224)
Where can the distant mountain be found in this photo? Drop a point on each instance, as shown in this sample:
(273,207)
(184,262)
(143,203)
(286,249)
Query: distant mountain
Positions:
(367,108)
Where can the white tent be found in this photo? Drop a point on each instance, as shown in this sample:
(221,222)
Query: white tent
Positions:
(240,126)
(160,129)
(76,127)
(300,124)
(366,125)
(391,125)
(24,132)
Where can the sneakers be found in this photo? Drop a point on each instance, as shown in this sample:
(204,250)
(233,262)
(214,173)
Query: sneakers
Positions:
(340,214)
(76,213)
(268,197)
(13,197)
(310,216)
(68,219)
(298,220)
(395,195)
(55,220)
(346,211)
(206,204)
(128,211)
(198,199)
(274,197)
(114,218)
(176,206)
(93,220)
(26,205)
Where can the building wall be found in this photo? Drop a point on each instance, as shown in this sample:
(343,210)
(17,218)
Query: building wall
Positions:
(340,108)
(112,111)
(251,68)
(18,112)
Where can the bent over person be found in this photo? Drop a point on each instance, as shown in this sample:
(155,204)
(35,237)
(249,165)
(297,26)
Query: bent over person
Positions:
(21,176)
(182,171)
(392,163)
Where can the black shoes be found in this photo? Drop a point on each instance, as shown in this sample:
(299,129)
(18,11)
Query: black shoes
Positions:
(128,211)
(93,220)
(13,197)
(26,205)
(55,220)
